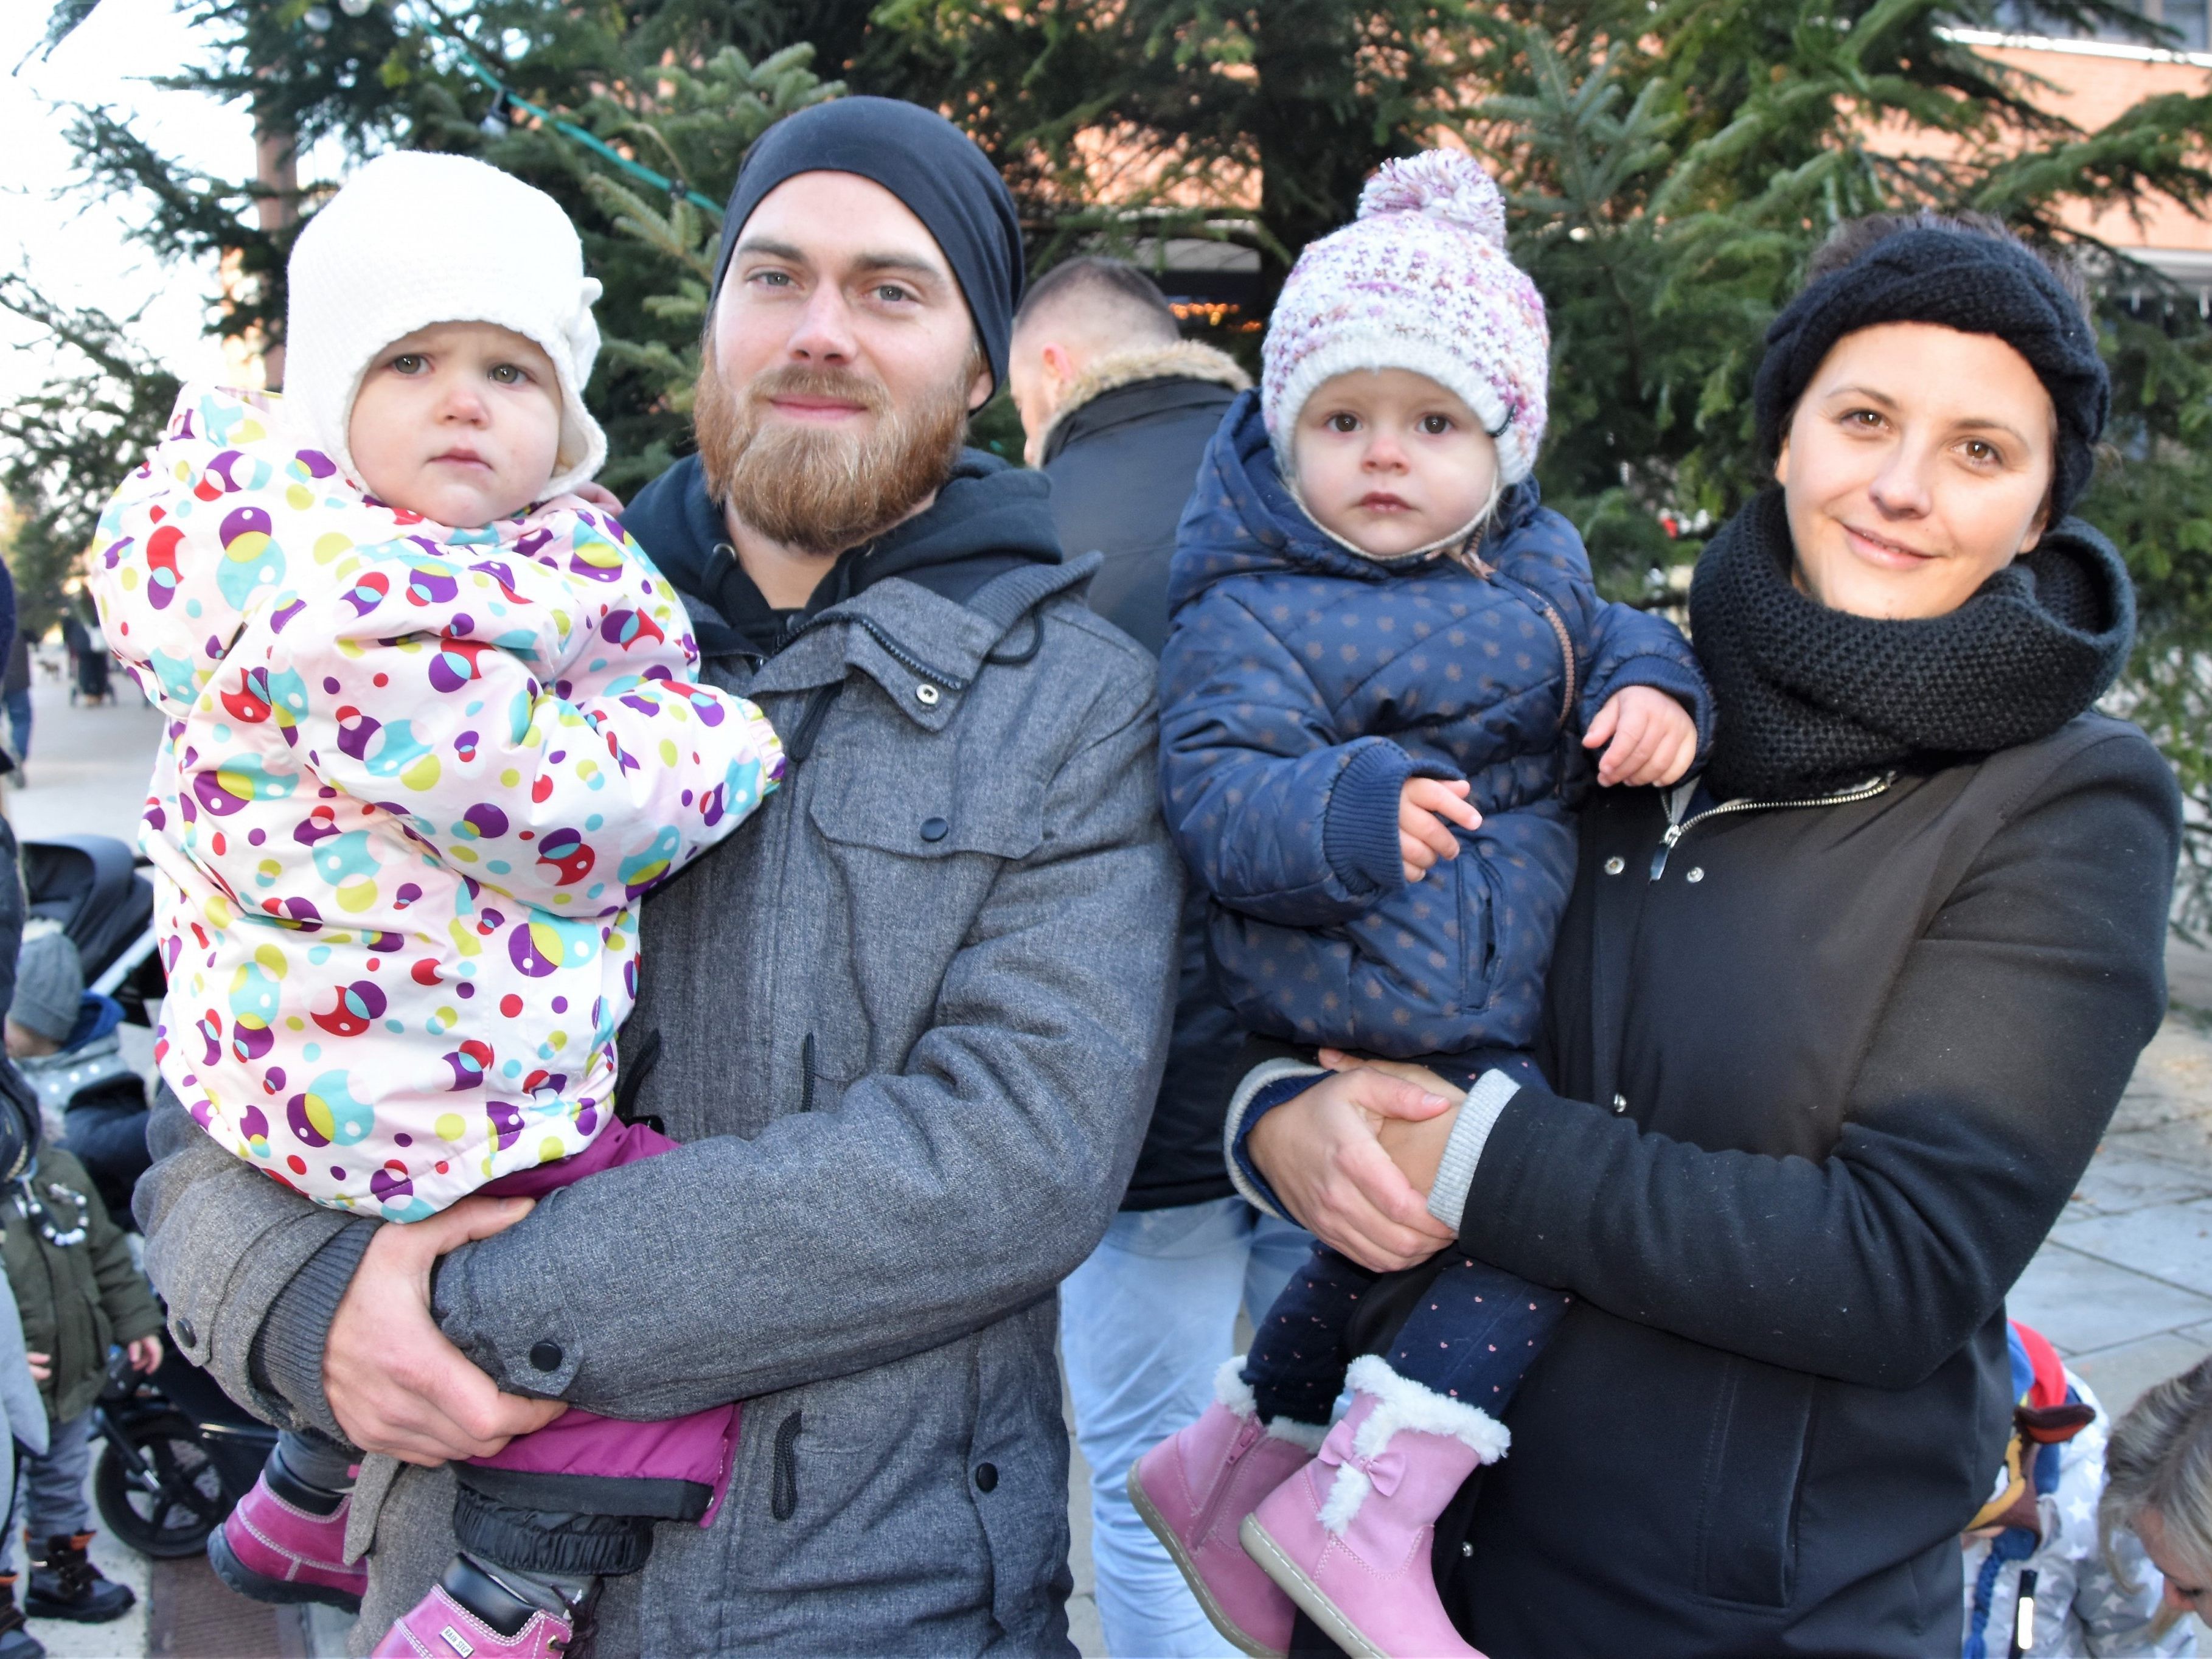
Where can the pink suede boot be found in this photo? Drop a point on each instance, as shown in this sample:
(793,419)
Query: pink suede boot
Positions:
(273,1551)
(1348,1537)
(1194,1488)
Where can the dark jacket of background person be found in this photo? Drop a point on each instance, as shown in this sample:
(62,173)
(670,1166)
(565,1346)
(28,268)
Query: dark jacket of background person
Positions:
(908,1025)
(1122,452)
(1304,684)
(1784,1383)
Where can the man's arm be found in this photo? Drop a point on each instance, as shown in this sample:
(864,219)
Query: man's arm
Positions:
(223,1243)
(924,1204)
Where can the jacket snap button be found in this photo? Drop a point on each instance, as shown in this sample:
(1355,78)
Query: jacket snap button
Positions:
(546,1356)
(1697,873)
(1467,1552)
(187,1335)
(1619,1103)
(1615,865)
(925,694)
(987,1477)
(935,828)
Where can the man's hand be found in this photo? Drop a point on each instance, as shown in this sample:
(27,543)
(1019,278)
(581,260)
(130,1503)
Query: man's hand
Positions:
(1427,808)
(1647,736)
(394,1382)
(144,1355)
(1320,1154)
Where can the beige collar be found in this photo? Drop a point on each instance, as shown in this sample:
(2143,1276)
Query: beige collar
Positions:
(1186,360)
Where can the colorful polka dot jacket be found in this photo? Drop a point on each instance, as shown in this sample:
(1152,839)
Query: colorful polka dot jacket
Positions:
(1301,685)
(416,780)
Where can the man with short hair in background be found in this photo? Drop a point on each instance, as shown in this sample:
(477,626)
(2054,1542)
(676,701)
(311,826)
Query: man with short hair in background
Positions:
(1118,409)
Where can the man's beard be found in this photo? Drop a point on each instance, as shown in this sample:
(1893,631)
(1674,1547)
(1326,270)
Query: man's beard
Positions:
(819,490)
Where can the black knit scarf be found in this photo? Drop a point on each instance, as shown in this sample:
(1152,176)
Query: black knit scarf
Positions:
(1812,700)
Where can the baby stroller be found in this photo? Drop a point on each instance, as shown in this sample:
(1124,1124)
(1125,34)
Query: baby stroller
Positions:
(92,886)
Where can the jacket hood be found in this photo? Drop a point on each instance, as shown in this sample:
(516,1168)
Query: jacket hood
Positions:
(989,519)
(1242,518)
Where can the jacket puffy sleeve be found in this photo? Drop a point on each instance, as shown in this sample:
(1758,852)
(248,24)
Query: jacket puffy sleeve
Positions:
(1278,819)
(551,750)
(2003,1048)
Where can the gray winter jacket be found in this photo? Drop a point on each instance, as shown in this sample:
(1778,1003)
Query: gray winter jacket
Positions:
(909,1021)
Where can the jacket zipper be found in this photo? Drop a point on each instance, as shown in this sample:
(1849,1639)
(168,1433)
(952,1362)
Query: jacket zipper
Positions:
(1678,826)
(1558,632)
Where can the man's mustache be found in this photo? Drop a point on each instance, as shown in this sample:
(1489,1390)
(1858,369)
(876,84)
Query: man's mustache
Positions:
(837,386)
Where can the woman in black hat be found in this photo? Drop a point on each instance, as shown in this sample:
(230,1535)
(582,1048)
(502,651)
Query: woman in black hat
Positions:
(1833,1029)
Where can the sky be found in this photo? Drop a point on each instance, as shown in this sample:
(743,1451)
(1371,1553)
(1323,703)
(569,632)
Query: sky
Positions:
(75,247)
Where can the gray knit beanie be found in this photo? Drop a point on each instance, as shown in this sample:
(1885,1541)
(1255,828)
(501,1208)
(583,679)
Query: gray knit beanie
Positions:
(49,985)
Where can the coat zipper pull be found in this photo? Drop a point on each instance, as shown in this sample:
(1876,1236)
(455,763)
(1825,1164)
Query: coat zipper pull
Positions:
(1666,846)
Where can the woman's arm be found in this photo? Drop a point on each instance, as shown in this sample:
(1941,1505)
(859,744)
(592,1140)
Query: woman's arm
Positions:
(2007,1039)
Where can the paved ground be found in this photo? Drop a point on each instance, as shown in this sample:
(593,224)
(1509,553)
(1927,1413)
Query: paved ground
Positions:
(2124,1287)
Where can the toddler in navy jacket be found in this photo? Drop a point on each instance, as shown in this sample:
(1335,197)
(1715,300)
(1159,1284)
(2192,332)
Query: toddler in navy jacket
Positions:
(1387,668)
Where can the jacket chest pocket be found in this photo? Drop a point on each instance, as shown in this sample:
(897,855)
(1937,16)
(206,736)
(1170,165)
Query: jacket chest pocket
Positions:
(929,800)
(1479,906)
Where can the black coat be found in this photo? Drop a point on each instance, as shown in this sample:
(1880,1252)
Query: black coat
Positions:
(1122,466)
(1851,1060)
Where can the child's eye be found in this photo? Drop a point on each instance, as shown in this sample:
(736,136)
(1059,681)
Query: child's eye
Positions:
(407,363)
(1435,426)
(509,374)
(1342,423)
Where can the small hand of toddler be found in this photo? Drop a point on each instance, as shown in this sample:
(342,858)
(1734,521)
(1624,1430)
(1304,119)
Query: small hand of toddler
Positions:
(1652,737)
(41,1366)
(145,1355)
(1424,834)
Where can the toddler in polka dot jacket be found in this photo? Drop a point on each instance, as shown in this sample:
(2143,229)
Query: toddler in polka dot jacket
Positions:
(434,727)
(1386,664)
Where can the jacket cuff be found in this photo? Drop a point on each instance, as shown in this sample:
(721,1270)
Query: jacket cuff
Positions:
(1477,1116)
(286,1356)
(1260,1091)
(1359,829)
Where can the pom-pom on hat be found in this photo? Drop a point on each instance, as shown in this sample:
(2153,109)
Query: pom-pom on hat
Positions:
(415,239)
(1419,281)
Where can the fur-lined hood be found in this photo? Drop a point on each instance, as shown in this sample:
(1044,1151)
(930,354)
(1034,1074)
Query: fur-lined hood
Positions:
(1186,360)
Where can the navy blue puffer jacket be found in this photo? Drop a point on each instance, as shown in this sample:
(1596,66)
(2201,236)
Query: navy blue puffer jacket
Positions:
(1301,685)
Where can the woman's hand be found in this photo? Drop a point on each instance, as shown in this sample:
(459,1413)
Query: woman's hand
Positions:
(1320,1153)
(394,1383)
(1415,1145)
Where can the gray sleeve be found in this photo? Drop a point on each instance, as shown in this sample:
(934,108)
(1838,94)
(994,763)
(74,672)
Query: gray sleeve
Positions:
(1477,1116)
(224,1243)
(926,1203)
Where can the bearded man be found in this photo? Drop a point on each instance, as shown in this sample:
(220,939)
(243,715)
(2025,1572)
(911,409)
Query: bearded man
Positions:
(907,1023)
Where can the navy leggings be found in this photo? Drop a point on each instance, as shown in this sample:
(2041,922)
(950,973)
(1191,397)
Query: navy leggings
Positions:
(1471,1336)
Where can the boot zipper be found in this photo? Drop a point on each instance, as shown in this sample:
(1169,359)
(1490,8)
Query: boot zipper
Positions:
(1678,826)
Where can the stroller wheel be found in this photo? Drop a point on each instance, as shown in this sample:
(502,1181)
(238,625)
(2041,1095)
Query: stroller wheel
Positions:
(175,1521)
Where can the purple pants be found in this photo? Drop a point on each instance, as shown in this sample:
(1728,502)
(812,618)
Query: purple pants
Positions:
(696,1450)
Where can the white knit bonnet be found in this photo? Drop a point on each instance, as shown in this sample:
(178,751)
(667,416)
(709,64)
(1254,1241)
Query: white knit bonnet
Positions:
(1419,281)
(415,239)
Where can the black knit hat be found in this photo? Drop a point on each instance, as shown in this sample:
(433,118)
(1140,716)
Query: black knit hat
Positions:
(1958,279)
(927,163)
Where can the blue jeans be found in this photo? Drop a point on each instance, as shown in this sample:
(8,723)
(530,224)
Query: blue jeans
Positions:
(19,723)
(1143,1326)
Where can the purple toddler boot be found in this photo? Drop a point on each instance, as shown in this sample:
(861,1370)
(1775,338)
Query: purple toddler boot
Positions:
(1194,1488)
(1348,1537)
(272,1550)
(439,1627)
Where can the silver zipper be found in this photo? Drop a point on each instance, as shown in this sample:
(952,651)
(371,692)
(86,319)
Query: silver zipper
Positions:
(1678,826)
